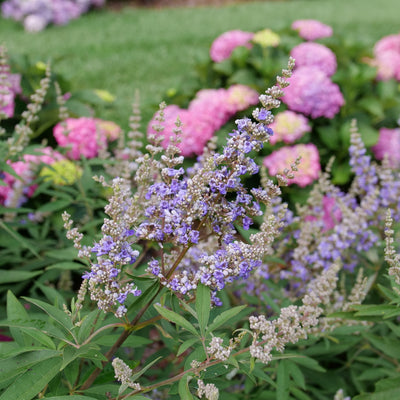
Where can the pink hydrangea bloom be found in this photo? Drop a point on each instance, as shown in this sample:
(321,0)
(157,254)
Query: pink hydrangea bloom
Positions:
(387,43)
(207,112)
(241,97)
(311,29)
(388,65)
(223,45)
(196,131)
(387,57)
(81,135)
(311,54)
(331,214)
(17,191)
(312,93)
(389,145)
(308,170)
(289,126)
(211,105)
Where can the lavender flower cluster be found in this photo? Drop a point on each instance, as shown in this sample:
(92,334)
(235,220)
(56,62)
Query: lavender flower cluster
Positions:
(37,14)
(183,211)
(334,225)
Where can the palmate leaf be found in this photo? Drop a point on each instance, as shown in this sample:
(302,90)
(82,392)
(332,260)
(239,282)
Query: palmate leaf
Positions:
(33,380)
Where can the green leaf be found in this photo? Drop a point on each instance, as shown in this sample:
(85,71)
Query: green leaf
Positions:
(309,363)
(16,364)
(66,265)
(29,384)
(15,312)
(176,319)
(381,395)
(20,239)
(39,336)
(11,276)
(224,67)
(329,136)
(56,205)
(89,351)
(132,341)
(88,322)
(55,313)
(374,310)
(373,106)
(386,292)
(184,392)
(73,397)
(296,374)
(299,394)
(391,347)
(224,317)
(136,376)
(203,306)
(69,254)
(185,345)
(282,381)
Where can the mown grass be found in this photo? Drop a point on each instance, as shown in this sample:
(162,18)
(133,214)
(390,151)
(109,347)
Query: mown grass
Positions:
(151,50)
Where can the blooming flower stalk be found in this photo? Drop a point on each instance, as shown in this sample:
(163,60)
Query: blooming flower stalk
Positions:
(179,209)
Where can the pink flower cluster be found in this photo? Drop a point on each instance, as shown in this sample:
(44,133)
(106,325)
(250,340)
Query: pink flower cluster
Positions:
(223,45)
(17,191)
(331,214)
(207,112)
(308,170)
(389,145)
(312,93)
(289,126)
(85,136)
(311,29)
(310,54)
(387,57)
(8,93)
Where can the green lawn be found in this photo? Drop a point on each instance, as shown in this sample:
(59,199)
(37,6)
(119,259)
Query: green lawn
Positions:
(151,50)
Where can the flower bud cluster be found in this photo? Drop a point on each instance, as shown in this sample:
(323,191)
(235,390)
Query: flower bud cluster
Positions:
(209,390)
(216,349)
(123,373)
(293,322)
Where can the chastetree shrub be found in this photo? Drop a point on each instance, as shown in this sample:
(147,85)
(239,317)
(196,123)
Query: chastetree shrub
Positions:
(198,286)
